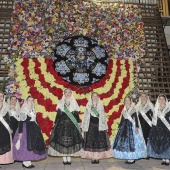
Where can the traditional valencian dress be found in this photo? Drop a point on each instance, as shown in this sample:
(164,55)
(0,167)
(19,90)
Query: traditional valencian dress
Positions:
(145,114)
(5,138)
(31,146)
(128,144)
(94,125)
(13,117)
(66,138)
(159,138)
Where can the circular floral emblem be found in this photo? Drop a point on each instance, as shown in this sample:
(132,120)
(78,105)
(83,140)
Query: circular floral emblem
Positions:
(80,60)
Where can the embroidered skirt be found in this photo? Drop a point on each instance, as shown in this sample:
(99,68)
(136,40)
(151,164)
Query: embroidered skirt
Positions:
(96,143)
(129,146)
(65,138)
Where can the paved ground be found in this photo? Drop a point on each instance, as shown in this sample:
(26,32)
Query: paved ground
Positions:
(53,163)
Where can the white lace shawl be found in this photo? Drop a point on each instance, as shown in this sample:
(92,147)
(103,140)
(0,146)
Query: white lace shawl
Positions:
(128,113)
(158,112)
(102,118)
(11,111)
(25,110)
(3,109)
(145,108)
(142,110)
(73,104)
(3,112)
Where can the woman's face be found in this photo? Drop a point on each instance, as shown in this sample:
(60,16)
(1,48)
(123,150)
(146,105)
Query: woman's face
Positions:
(162,100)
(144,98)
(13,101)
(67,93)
(95,97)
(1,97)
(127,101)
(30,101)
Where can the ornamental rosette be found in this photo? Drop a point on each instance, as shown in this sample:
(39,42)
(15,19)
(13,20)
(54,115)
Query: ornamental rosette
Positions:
(80,60)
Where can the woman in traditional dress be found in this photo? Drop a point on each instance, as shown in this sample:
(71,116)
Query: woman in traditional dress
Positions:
(129,143)
(66,139)
(28,140)
(94,126)
(159,138)
(13,110)
(145,112)
(5,134)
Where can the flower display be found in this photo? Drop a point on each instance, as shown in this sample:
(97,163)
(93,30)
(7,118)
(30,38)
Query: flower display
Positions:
(13,88)
(38,27)
(37,77)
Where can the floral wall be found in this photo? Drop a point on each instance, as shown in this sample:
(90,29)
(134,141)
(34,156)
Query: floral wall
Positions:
(37,28)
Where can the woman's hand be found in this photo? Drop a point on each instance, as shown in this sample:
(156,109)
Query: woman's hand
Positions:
(82,134)
(137,130)
(20,136)
(79,124)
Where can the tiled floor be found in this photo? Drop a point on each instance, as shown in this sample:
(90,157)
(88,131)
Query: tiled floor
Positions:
(55,163)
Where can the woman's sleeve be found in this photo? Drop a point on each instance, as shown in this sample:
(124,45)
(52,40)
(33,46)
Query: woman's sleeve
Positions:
(134,115)
(20,127)
(167,117)
(59,113)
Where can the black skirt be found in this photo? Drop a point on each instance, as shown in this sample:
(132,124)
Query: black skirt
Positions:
(35,141)
(95,140)
(124,140)
(5,144)
(160,136)
(65,137)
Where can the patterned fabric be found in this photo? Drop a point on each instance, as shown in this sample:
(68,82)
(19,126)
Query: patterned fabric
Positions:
(65,137)
(96,143)
(80,60)
(102,117)
(159,140)
(139,148)
(95,140)
(127,143)
(124,140)
(159,113)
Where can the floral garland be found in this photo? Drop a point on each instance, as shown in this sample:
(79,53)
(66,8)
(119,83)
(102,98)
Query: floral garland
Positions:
(36,77)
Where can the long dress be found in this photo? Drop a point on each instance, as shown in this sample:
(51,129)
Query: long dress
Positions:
(159,139)
(65,139)
(32,145)
(6,156)
(144,125)
(96,143)
(127,143)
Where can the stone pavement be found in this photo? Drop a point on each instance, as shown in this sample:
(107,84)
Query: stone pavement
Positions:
(55,163)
